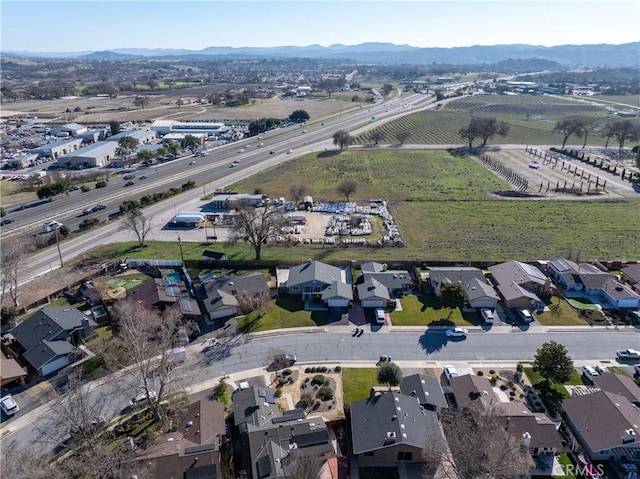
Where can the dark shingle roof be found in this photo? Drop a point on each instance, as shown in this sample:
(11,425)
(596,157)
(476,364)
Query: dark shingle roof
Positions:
(426,389)
(619,384)
(473,392)
(313,271)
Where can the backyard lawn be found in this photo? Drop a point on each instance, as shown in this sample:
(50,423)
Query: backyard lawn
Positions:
(283,312)
(582,303)
(357,383)
(560,314)
(423,310)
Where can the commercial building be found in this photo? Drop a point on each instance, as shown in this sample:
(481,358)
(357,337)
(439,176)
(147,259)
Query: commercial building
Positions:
(97,155)
(57,148)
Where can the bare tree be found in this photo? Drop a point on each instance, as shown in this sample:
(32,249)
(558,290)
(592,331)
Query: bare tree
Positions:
(297,192)
(144,337)
(402,136)
(589,125)
(376,136)
(254,302)
(139,224)
(140,101)
(625,130)
(298,465)
(568,126)
(257,226)
(27,461)
(342,138)
(11,254)
(478,447)
(347,188)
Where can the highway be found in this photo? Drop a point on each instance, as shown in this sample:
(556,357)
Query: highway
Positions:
(411,348)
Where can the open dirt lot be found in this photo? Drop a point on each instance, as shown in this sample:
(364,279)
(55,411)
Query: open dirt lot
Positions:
(163,106)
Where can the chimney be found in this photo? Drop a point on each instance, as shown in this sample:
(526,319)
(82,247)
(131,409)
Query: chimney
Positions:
(628,436)
(391,438)
(526,440)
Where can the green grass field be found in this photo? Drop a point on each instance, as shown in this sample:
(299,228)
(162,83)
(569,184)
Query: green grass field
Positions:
(425,310)
(357,383)
(560,313)
(285,312)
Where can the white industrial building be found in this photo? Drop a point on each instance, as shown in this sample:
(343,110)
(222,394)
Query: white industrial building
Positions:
(57,148)
(96,155)
(164,127)
(141,137)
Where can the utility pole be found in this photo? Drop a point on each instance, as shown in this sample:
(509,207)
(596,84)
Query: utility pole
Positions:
(181,251)
(58,246)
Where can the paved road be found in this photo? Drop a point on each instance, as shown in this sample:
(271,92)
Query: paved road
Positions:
(409,347)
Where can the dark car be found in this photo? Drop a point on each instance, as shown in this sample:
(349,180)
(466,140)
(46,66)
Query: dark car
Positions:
(99,207)
(6,221)
(129,183)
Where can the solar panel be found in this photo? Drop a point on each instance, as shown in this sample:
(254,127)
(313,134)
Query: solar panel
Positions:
(294,416)
(312,438)
(185,304)
(532,271)
(171,288)
(200,448)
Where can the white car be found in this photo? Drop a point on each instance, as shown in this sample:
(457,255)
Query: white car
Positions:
(141,399)
(8,405)
(589,372)
(602,369)
(487,315)
(450,372)
(456,332)
(380,317)
(526,315)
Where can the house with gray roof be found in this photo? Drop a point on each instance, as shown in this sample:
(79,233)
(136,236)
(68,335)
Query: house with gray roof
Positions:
(221,300)
(161,293)
(630,274)
(480,294)
(604,426)
(397,281)
(426,389)
(337,294)
(47,340)
(520,285)
(373,294)
(392,428)
(311,279)
(619,384)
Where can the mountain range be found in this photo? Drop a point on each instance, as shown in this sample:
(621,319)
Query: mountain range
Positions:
(604,55)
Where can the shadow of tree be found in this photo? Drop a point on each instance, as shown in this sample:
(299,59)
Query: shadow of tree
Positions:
(432,341)
(328,153)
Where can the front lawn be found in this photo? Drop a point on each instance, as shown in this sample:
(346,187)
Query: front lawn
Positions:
(550,393)
(284,312)
(560,314)
(423,310)
(565,461)
(582,303)
(357,383)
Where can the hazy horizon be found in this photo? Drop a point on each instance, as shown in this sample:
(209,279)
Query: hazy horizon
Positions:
(95,25)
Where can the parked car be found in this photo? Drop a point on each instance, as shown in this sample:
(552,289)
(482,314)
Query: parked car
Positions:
(636,369)
(526,315)
(456,332)
(450,372)
(8,405)
(635,316)
(602,369)
(380,316)
(141,399)
(589,372)
(487,315)
(628,354)
(143,177)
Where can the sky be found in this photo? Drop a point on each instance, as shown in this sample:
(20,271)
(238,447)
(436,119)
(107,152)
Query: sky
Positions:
(94,25)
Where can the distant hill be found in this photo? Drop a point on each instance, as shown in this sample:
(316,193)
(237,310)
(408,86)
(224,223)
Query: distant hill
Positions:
(604,55)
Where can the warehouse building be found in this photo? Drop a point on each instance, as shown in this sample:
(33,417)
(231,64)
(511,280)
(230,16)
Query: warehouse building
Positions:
(141,137)
(97,155)
(57,148)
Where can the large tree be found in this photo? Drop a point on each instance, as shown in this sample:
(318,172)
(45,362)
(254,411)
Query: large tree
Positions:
(256,225)
(468,133)
(568,126)
(11,255)
(402,136)
(143,338)
(126,146)
(389,374)
(347,188)
(553,362)
(138,224)
(588,126)
(488,127)
(115,127)
(190,142)
(479,447)
(376,136)
(453,295)
(299,116)
(342,138)
(297,192)
(624,130)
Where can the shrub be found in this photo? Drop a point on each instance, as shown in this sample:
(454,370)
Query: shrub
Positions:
(494,378)
(101,184)
(492,371)
(337,369)
(480,373)
(520,367)
(307,371)
(287,372)
(278,392)
(306,400)
(503,387)
(319,379)
(325,393)
(312,370)
(85,188)
(322,369)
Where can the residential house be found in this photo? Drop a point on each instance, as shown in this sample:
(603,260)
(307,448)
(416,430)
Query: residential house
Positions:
(426,389)
(520,285)
(193,451)
(473,392)
(619,384)
(480,294)
(337,295)
(604,426)
(270,440)
(373,294)
(222,294)
(310,279)
(631,275)
(10,370)
(392,428)
(397,281)
(161,293)
(47,340)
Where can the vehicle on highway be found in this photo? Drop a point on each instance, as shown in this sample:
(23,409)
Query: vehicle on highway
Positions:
(141,399)
(143,177)
(9,405)
(526,315)
(450,372)
(456,332)
(199,153)
(380,317)
(628,354)
(234,164)
(602,369)
(241,150)
(260,144)
(51,226)
(129,183)
(99,207)
(87,211)
(193,162)
(272,152)
(6,221)
(487,315)
(289,151)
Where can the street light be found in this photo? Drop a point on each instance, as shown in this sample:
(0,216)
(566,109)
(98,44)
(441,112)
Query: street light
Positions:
(181,251)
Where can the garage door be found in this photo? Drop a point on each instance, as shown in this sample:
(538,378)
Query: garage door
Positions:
(373,303)
(222,313)
(338,303)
